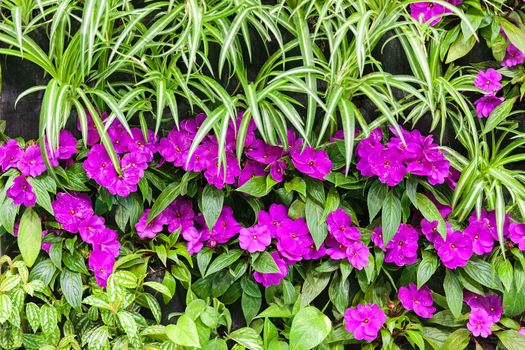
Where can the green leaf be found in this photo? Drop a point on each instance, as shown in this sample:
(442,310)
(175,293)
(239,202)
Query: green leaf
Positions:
(313,285)
(128,323)
(453,293)
(159,288)
(516,35)
(512,340)
(513,302)
(211,201)
(258,186)
(296,184)
(33,316)
(184,332)
(71,286)
(427,267)
(375,199)
(430,212)
(390,217)
(264,263)
(251,299)
(457,340)
(29,236)
(309,328)
(505,274)
(314,218)
(482,272)
(248,338)
(498,115)
(124,279)
(168,195)
(223,261)
(5,307)
(42,195)
(332,202)
(459,48)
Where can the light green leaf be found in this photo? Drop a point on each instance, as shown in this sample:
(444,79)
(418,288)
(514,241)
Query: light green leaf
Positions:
(309,328)
(29,236)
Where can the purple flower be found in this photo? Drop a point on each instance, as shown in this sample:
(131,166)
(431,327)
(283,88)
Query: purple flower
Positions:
(225,228)
(513,57)
(426,11)
(478,231)
(430,230)
(92,134)
(135,162)
(10,154)
(21,192)
(268,279)
(486,104)
(263,153)
(335,250)
(387,164)
(251,169)
(490,303)
(102,264)
(364,321)
(490,80)
(456,250)
(273,218)
(215,173)
(366,147)
(139,144)
(402,249)
(357,254)
(178,214)
(377,238)
(67,147)
(195,239)
(479,323)
(98,166)
(418,300)
(120,137)
(174,148)
(255,238)
(107,241)
(277,170)
(339,225)
(91,227)
(31,162)
(293,239)
(145,230)
(313,163)
(201,157)
(70,210)
(517,234)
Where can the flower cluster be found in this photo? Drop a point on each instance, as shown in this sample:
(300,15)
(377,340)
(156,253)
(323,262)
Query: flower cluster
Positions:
(409,152)
(30,163)
(402,248)
(134,153)
(75,213)
(178,215)
(364,321)
(484,312)
(261,157)
(430,11)
(490,82)
(343,240)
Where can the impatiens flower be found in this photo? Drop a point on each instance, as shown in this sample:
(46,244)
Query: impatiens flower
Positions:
(482,241)
(426,11)
(430,230)
(293,239)
(148,230)
(377,238)
(522,329)
(98,166)
(490,80)
(120,137)
(134,162)
(139,144)
(364,321)
(366,147)
(106,240)
(277,170)
(200,158)
(102,264)
(67,147)
(479,323)
(357,253)
(179,214)
(268,279)
(273,219)
(174,148)
(21,192)
(225,228)
(313,163)
(255,239)
(215,173)
(490,303)
(486,104)
(417,300)
(339,225)
(251,169)
(513,57)
(10,154)
(31,162)
(335,250)
(71,209)
(517,234)
(195,239)
(92,134)
(388,165)
(402,249)
(456,250)
(263,153)
(90,228)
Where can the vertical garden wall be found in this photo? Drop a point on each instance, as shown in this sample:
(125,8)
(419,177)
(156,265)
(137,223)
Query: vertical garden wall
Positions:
(262,174)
